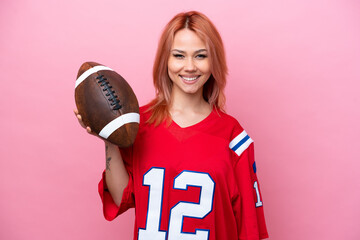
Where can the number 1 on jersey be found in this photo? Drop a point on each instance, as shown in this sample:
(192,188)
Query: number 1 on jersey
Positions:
(155,180)
(258,202)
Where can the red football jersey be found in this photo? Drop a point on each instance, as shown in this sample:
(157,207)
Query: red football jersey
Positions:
(197,182)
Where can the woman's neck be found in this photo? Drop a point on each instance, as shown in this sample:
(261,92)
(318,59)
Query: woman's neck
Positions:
(188,109)
(188,102)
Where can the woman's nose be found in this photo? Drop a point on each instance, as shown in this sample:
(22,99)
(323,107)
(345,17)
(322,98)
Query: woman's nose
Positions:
(190,65)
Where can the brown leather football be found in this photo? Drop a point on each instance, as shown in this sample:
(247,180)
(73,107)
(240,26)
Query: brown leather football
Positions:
(107,104)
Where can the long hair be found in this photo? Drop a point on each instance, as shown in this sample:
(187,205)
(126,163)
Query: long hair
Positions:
(213,91)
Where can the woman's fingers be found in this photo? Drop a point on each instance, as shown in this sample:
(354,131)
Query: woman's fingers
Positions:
(88,129)
(80,121)
(78,116)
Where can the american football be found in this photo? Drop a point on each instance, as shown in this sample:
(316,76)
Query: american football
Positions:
(107,104)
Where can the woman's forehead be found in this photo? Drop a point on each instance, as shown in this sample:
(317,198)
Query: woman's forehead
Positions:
(187,40)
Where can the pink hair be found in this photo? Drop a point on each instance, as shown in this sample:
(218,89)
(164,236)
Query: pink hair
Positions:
(213,91)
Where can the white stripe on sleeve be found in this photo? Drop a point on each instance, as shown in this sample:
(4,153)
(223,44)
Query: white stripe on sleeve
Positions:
(243,147)
(240,143)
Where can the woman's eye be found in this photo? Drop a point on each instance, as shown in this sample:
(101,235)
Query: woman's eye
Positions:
(201,56)
(178,55)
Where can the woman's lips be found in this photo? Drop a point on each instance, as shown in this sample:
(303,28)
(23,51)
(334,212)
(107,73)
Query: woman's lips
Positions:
(190,79)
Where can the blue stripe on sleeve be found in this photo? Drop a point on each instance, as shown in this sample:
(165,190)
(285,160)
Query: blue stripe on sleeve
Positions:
(240,143)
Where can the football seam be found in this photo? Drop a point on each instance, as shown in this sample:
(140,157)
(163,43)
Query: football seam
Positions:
(105,86)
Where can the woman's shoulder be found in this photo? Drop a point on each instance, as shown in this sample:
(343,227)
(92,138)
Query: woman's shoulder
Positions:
(144,108)
(238,138)
(231,125)
(227,119)
(145,111)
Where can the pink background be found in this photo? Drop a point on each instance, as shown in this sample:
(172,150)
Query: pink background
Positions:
(293,84)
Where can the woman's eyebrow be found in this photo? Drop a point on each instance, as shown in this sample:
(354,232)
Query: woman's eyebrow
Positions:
(200,50)
(181,51)
(177,50)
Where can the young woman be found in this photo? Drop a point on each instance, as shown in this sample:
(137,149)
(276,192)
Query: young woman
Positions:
(191,172)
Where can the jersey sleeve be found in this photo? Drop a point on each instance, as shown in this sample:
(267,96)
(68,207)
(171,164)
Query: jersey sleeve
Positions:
(110,209)
(251,220)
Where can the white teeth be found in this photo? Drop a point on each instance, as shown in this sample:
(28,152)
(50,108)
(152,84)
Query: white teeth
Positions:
(190,79)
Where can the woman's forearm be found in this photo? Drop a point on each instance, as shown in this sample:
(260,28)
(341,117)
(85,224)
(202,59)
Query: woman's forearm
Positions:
(116,175)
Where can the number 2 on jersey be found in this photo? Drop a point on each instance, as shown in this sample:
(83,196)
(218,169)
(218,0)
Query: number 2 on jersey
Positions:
(154,178)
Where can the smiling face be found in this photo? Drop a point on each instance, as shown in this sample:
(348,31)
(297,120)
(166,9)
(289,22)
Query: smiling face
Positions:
(188,63)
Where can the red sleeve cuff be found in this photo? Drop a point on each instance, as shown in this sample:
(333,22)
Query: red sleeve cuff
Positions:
(110,209)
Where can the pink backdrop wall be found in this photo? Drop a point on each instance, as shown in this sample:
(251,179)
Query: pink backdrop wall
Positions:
(293,84)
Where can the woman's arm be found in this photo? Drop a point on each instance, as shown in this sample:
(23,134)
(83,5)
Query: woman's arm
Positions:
(116,175)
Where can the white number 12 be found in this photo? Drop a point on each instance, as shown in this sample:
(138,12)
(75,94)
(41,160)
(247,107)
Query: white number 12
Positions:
(154,178)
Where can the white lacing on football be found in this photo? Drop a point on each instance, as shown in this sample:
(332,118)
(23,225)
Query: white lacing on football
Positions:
(89,72)
(118,123)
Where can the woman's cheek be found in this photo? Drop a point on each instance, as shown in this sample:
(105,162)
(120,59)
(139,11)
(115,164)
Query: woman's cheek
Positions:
(175,66)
